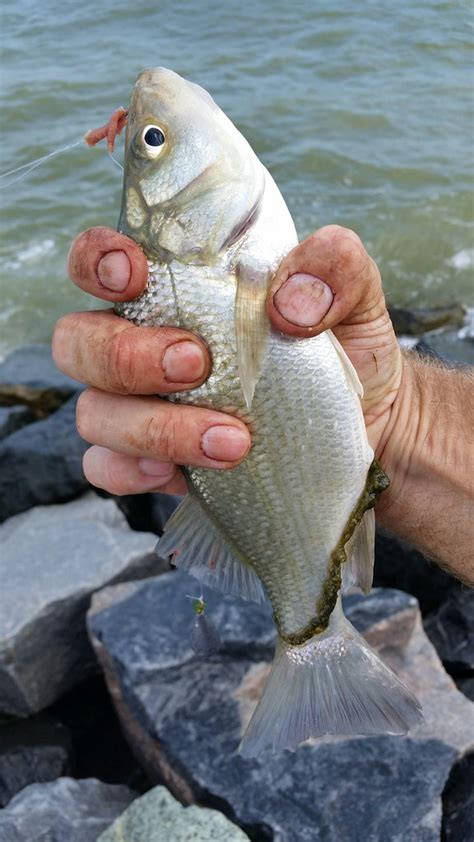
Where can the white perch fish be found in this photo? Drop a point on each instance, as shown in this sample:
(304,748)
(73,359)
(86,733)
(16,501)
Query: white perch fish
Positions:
(295,520)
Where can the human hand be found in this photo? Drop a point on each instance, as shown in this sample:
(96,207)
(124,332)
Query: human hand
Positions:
(328,281)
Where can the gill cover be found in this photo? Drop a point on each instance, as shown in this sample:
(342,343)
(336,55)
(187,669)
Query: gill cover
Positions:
(193,194)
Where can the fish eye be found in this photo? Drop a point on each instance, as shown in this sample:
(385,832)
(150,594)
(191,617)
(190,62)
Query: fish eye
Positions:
(153,139)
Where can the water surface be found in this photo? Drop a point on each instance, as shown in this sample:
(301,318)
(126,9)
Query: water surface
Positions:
(362,112)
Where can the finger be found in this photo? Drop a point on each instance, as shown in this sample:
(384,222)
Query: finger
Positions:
(119,474)
(327,279)
(108,265)
(155,429)
(127,359)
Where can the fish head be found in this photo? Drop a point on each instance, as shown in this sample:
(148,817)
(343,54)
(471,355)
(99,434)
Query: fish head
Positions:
(192,183)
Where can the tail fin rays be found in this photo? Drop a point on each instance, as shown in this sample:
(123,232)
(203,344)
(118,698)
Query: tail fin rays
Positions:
(333,684)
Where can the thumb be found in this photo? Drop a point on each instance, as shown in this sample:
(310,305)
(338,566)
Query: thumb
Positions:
(326,280)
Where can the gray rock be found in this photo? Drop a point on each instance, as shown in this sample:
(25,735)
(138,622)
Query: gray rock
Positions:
(418,320)
(32,750)
(53,558)
(29,376)
(158,817)
(466,685)
(451,631)
(63,811)
(184,718)
(162,507)
(448,346)
(400,565)
(12,418)
(147,512)
(458,802)
(42,463)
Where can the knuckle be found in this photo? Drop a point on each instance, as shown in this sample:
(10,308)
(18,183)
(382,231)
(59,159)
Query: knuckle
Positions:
(162,435)
(65,343)
(67,325)
(349,253)
(84,413)
(121,371)
(59,332)
(78,258)
(341,238)
(113,479)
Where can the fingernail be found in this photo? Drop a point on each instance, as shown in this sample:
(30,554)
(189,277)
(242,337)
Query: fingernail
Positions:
(155,468)
(114,271)
(225,443)
(303,300)
(184,362)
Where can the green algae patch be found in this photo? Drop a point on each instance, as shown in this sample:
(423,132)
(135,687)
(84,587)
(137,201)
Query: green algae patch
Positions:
(377,481)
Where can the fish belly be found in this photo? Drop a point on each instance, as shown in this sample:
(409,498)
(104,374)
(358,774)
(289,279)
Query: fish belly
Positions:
(285,507)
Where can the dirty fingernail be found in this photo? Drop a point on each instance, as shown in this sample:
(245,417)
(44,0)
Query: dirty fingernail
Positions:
(303,300)
(114,271)
(225,443)
(184,362)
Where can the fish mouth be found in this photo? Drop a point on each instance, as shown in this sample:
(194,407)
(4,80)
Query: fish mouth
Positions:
(151,75)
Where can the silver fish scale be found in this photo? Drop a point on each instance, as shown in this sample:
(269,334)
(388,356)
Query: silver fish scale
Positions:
(199,299)
(286,505)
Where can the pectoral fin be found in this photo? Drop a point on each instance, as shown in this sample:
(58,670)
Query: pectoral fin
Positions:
(197,545)
(351,374)
(252,326)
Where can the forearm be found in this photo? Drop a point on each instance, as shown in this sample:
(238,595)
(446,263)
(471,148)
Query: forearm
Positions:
(427,451)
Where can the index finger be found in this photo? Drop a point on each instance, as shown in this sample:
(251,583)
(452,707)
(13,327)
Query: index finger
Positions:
(108,265)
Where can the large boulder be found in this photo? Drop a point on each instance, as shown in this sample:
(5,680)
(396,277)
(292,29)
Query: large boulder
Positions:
(64,810)
(99,749)
(184,717)
(458,802)
(29,376)
(455,348)
(451,631)
(53,558)
(415,320)
(400,565)
(158,817)
(32,750)
(12,418)
(42,463)
(147,512)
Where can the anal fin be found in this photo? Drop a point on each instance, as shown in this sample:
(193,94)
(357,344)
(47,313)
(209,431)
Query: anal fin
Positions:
(197,545)
(358,570)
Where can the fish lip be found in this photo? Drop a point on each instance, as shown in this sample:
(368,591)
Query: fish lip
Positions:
(150,74)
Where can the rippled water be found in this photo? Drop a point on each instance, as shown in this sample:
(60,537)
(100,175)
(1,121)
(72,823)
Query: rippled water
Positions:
(362,112)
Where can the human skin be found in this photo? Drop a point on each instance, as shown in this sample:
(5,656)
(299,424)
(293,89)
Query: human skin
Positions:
(418,417)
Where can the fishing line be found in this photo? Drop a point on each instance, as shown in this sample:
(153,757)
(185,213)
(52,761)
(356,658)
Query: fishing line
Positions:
(25,169)
(115,160)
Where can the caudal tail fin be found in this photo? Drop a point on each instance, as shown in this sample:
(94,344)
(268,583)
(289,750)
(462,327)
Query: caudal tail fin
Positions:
(332,684)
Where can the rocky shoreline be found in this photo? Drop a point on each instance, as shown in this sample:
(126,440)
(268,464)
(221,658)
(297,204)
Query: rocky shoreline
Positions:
(108,721)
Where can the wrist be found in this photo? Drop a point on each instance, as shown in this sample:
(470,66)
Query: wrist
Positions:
(399,443)
(425,452)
